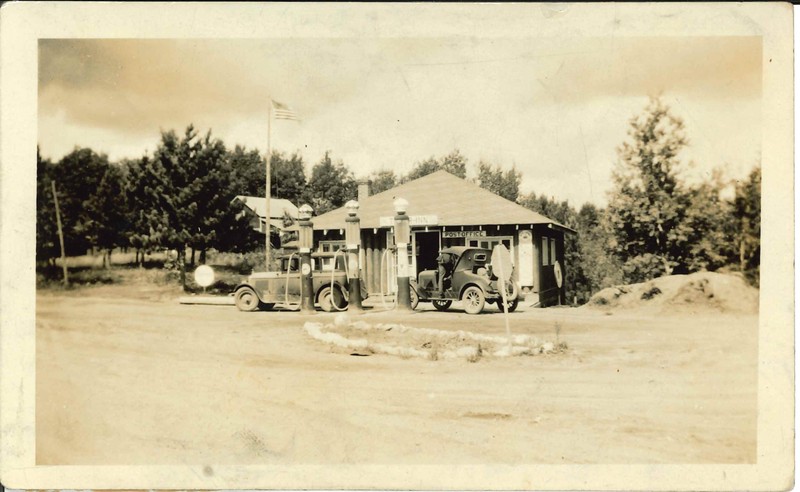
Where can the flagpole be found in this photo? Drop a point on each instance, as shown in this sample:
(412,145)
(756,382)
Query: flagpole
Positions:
(267,181)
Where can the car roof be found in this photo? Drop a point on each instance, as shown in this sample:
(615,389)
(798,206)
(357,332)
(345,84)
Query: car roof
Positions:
(316,254)
(460,250)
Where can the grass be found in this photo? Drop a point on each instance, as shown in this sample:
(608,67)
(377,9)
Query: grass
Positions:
(157,269)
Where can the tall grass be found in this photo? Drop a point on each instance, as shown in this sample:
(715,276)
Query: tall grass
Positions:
(157,268)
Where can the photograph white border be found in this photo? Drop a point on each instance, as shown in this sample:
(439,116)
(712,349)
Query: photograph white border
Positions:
(23,24)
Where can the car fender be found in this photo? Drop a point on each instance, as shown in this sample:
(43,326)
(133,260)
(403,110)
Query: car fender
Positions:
(344,290)
(472,283)
(247,284)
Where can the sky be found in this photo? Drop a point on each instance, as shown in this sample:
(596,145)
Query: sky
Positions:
(556,108)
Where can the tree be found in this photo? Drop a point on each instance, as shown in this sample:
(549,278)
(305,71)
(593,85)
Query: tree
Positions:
(710,225)
(209,194)
(747,224)
(600,267)
(104,217)
(331,185)
(382,180)
(78,176)
(142,218)
(499,182)
(47,247)
(185,195)
(288,179)
(647,206)
(248,170)
(454,163)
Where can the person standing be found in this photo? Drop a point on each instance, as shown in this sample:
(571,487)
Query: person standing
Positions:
(445,262)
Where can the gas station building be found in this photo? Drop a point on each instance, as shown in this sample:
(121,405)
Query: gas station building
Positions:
(445,210)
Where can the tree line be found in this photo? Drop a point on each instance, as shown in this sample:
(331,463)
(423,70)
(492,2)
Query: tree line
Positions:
(657,222)
(180,197)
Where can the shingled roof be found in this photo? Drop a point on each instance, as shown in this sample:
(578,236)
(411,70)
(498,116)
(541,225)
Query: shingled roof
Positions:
(455,202)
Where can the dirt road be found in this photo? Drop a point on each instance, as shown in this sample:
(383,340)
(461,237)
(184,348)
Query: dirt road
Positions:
(153,382)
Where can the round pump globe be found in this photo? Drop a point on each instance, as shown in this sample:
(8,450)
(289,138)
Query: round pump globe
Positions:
(351,207)
(400,205)
(305,212)
(204,276)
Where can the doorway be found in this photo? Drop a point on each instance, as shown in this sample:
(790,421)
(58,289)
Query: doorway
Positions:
(426,250)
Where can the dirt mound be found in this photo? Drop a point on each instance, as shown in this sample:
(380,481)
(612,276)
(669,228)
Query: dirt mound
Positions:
(694,292)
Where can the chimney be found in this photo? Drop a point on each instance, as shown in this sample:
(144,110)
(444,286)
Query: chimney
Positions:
(363,189)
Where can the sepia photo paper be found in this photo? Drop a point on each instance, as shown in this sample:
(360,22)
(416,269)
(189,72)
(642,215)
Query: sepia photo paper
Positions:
(417,246)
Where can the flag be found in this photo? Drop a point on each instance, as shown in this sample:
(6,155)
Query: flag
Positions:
(283,112)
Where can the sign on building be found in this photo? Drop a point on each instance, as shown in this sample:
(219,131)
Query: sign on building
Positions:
(451,234)
(413,220)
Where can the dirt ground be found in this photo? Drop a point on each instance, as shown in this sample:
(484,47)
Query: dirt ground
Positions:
(149,381)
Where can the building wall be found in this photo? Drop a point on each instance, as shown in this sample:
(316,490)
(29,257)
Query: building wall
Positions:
(540,276)
(548,288)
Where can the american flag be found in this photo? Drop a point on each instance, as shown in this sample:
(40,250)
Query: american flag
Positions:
(283,112)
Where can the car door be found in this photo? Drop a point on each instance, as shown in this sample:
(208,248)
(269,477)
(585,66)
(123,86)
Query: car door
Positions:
(459,277)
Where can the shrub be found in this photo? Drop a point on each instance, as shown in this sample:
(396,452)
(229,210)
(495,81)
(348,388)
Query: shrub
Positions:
(650,293)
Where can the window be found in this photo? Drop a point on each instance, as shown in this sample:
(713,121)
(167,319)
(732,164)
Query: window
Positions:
(326,264)
(331,246)
(545,251)
(552,251)
(490,242)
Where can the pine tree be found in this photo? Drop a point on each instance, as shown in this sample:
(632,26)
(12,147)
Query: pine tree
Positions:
(47,247)
(382,180)
(104,213)
(454,163)
(331,185)
(747,224)
(499,182)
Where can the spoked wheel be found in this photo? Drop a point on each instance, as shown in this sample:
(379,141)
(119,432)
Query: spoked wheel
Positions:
(473,300)
(442,305)
(246,299)
(512,305)
(331,301)
(414,298)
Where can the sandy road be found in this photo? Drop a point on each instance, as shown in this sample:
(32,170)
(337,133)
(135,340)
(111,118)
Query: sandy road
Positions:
(142,382)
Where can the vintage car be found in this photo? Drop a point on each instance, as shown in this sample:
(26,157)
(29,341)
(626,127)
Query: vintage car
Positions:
(262,290)
(471,282)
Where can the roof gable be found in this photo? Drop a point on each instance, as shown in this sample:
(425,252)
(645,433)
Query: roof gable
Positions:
(454,201)
(278,206)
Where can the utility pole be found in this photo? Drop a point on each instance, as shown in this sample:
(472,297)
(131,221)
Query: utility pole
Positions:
(268,191)
(60,234)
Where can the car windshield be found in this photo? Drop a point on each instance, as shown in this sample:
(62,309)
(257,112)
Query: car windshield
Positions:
(326,263)
(295,264)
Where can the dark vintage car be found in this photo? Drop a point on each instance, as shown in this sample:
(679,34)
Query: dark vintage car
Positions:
(262,290)
(471,282)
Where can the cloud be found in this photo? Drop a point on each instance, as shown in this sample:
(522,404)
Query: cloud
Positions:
(556,108)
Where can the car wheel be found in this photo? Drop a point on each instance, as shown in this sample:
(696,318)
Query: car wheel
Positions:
(326,300)
(246,299)
(414,298)
(473,300)
(442,305)
(512,306)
